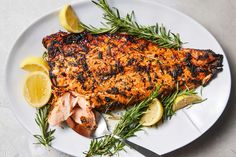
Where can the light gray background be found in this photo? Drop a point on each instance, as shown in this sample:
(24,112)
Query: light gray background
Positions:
(218,16)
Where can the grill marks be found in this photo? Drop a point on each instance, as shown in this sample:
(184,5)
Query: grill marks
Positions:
(113,69)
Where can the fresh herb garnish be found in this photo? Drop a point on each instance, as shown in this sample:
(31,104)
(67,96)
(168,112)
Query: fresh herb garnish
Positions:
(168,101)
(46,136)
(115,23)
(127,127)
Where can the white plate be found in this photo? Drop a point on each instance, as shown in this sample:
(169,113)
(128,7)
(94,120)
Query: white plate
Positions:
(186,126)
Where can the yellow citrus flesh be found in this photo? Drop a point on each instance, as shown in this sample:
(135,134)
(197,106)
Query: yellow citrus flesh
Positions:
(37,89)
(153,114)
(185,100)
(32,64)
(69,20)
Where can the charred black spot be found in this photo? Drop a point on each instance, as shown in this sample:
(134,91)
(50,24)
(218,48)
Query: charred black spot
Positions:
(113,105)
(131,61)
(193,70)
(192,67)
(116,104)
(73,38)
(53,79)
(95,35)
(220,60)
(54,42)
(69,53)
(130,39)
(177,71)
(118,67)
(196,81)
(137,95)
(113,90)
(82,61)
(107,99)
(51,64)
(216,71)
(83,57)
(149,88)
(188,58)
(123,93)
(85,66)
(143,79)
(80,77)
(140,68)
(69,39)
(143,46)
(85,48)
(155,77)
(93,85)
(89,73)
(50,48)
(142,58)
(63,74)
(149,77)
(51,75)
(217,62)
(52,51)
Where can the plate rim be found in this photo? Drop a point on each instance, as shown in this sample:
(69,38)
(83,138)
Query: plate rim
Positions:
(51,12)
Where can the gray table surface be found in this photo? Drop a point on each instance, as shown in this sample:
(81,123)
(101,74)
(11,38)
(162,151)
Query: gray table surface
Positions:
(218,16)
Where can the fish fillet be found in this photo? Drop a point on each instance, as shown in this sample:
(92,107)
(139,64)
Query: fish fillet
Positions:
(118,70)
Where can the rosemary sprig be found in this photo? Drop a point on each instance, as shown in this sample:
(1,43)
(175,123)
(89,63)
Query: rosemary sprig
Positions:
(115,23)
(127,127)
(46,136)
(169,100)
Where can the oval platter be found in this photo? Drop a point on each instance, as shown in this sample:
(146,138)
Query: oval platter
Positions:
(186,126)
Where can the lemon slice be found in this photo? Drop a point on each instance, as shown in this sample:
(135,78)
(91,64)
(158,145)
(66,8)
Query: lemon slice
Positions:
(69,20)
(184,100)
(37,89)
(34,64)
(153,114)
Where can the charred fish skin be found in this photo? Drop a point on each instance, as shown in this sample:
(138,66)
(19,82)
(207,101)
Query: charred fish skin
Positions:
(117,70)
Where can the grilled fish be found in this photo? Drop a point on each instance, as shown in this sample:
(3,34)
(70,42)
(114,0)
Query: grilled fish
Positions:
(114,71)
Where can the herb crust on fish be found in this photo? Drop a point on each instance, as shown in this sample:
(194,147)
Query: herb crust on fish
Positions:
(111,71)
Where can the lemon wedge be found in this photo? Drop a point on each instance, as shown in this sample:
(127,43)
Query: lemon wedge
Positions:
(69,20)
(153,114)
(37,89)
(32,64)
(184,100)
